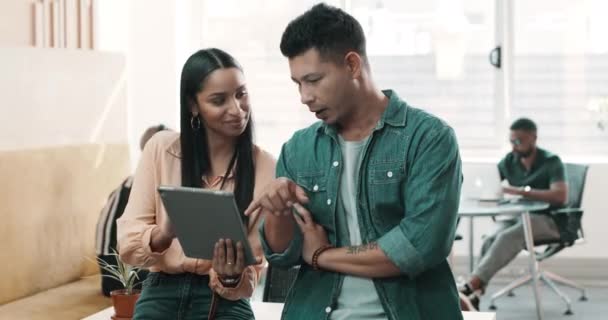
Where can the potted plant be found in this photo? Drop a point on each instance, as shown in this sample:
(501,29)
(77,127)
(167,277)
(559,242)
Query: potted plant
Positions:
(123,299)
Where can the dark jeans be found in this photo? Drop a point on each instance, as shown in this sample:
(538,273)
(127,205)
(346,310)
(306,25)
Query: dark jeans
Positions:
(185,296)
(109,284)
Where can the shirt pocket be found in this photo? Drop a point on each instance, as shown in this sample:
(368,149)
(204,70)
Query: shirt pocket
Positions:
(315,185)
(387,184)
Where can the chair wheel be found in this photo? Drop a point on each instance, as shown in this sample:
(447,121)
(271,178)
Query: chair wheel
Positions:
(510,294)
(492,307)
(583,298)
(568,312)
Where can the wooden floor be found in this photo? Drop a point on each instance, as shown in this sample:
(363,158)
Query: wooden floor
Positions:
(72,301)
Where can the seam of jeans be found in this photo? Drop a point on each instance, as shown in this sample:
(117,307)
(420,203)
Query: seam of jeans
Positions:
(184,295)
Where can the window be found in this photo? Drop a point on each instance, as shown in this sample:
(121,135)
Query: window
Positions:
(561,72)
(435,55)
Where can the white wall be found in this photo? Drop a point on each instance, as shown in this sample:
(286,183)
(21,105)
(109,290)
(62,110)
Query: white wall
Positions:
(152,68)
(58,97)
(147,33)
(595,219)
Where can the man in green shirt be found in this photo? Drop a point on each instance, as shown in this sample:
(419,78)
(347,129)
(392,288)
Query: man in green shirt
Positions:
(366,200)
(532,173)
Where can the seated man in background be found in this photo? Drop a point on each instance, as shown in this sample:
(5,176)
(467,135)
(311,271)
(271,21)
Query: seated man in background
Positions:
(105,239)
(534,174)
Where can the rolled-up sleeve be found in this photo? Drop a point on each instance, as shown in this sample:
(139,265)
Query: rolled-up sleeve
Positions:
(293,254)
(290,257)
(425,235)
(557,172)
(134,228)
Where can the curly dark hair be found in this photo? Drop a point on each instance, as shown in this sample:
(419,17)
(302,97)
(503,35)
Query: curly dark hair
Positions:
(524,124)
(328,29)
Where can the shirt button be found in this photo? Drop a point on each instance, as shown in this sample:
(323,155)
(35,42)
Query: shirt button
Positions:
(336,163)
(315,188)
(328,310)
(389,174)
(329,202)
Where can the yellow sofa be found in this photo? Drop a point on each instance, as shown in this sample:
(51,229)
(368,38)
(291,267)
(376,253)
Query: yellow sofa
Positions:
(49,203)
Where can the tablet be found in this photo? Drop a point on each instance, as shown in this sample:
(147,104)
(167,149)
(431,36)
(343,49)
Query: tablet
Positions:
(200,217)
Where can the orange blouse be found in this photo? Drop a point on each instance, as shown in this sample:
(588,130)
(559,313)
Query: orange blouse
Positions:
(160,164)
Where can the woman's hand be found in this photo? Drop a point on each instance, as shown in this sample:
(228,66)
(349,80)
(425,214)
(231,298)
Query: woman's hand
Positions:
(228,261)
(166,229)
(162,236)
(314,234)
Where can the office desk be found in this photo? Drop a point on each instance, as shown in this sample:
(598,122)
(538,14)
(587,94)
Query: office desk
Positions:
(472,209)
(272,311)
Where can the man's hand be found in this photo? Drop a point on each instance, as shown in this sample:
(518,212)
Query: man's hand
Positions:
(314,234)
(278,198)
(557,193)
(512,190)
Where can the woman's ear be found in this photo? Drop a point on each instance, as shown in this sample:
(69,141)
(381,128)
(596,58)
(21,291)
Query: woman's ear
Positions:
(193,106)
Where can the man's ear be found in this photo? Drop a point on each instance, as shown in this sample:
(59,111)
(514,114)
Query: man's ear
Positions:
(354,63)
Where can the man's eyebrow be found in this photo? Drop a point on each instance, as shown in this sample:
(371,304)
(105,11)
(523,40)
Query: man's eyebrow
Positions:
(307,77)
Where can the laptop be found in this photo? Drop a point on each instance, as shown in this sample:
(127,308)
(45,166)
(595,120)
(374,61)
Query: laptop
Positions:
(481,182)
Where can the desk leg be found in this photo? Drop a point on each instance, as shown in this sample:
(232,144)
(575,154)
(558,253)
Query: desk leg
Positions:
(471,253)
(533,264)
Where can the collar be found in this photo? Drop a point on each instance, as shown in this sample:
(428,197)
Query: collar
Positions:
(175,148)
(394,115)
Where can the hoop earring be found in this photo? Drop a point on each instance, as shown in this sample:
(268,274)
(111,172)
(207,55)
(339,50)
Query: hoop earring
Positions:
(195,123)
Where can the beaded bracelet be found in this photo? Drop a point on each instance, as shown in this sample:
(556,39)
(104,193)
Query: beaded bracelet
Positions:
(317,253)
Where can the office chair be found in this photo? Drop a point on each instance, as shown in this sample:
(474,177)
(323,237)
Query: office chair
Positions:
(278,282)
(568,221)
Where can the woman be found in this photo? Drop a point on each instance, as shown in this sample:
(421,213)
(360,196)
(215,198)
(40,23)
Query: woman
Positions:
(214,150)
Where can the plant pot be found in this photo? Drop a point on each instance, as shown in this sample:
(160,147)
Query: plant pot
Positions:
(124,304)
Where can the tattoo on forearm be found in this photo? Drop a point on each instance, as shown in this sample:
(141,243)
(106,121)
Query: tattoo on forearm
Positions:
(361,248)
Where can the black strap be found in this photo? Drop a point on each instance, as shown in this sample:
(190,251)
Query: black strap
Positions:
(213,308)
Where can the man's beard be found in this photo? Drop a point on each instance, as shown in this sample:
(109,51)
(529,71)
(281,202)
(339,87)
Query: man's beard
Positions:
(524,154)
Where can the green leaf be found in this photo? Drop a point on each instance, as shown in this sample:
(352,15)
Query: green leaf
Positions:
(121,272)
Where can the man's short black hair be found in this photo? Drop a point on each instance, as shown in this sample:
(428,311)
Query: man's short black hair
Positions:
(328,29)
(524,124)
